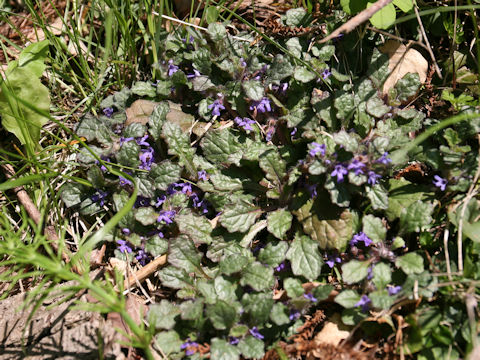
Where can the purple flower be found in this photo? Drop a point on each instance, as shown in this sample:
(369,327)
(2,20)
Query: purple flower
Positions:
(281,267)
(194,75)
(216,106)
(326,74)
(142,141)
(124,181)
(108,112)
(384,159)
(393,290)
(332,259)
(124,248)
(356,166)
(261,106)
(233,340)
(310,297)
(370,272)
(126,231)
(440,182)
(184,187)
(293,132)
(361,236)
(373,177)
(294,314)
(160,200)
(340,171)
(255,333)
(364,302)
(190,347)
(146,159)
(245,123)
(282,88)
(270,133)
(312,189)
(172,69)
(202,175)
(166,216)
(142,257)
(141,202)
(125,140)
(99,197)
(317,148)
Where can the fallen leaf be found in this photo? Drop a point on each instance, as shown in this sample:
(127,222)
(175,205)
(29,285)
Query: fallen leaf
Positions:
(401,62)
(333,332)
(140,112)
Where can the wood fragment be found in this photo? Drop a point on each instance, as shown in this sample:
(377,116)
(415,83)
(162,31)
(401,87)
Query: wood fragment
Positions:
(145,272)
(358,19)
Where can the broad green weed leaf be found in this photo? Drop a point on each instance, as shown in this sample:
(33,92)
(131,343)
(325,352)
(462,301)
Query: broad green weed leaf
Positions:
(410,263)
(257,276)
(279,314)
(221,146)
(354,271)
(273,165)
(157,119)
(280,68)
(217,32)
(407,86)
(73,193)
(416,217)
(295,17)
(293,287)
(146,216)
(222,350)
(303,75)
(378,197)
(179,144)
(347,298)
(196,227)
(156,246)
(163,315)
(128,154)
(33,57)
(381,299)
(404,5)
(239,217)
(253,89)
(305,257)
(174,278)
(18,119)
(192,309)
(279,222)
(374,228)
(222,315)
(382,275)
(274,253)
(257,306)
(168,341)
(233,263)
(384,18)
(183,254)
(165,174)
(251,347)
(143,88)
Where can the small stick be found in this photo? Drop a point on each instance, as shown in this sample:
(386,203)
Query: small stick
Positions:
(357,20)
(145,272)
(35,215)
(447,255)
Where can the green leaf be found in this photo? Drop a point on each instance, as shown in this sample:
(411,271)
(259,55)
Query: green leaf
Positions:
(348,141)
(225,289)
(251,347)
(374,228)
(168,341)
(221,146)
(222,350)
(223,182)
(402,194)
(239,217)
(174,278)
(163,315)
(212,14)
(416,217)
(353,316)
(274,166)
(146,187)
(183,254)
(347,298)
(293,287)
(221,314)
(339,194)
(279,222)
(274,253)
(322,292)
(376,107)
(279,314)
(146,215)
(128,154)
(295,17)
(217,32)
(305,257)
(135,129)
(94,129)
(196,227)
(33,57)
(351,7)
(303,75)
(158,118)
(253,89)
(258,307)
(294,46)
(381,299)
(355,271)
(382,275)
(17,118)
(165,173)
(156,246)
(280,68)
(378,197)
(257,276)
(331,228)
(384,18)
(404,5)
(233,263)
(410,263)
(73,193)
(179,144)
(144,89)
(407,86)
(470,223)
(192,309)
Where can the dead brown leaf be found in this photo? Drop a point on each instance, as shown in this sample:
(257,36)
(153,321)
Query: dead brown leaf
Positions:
(140,112)
(333,331)
(402,60)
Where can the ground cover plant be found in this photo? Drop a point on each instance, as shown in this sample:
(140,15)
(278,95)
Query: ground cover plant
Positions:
(276,187)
